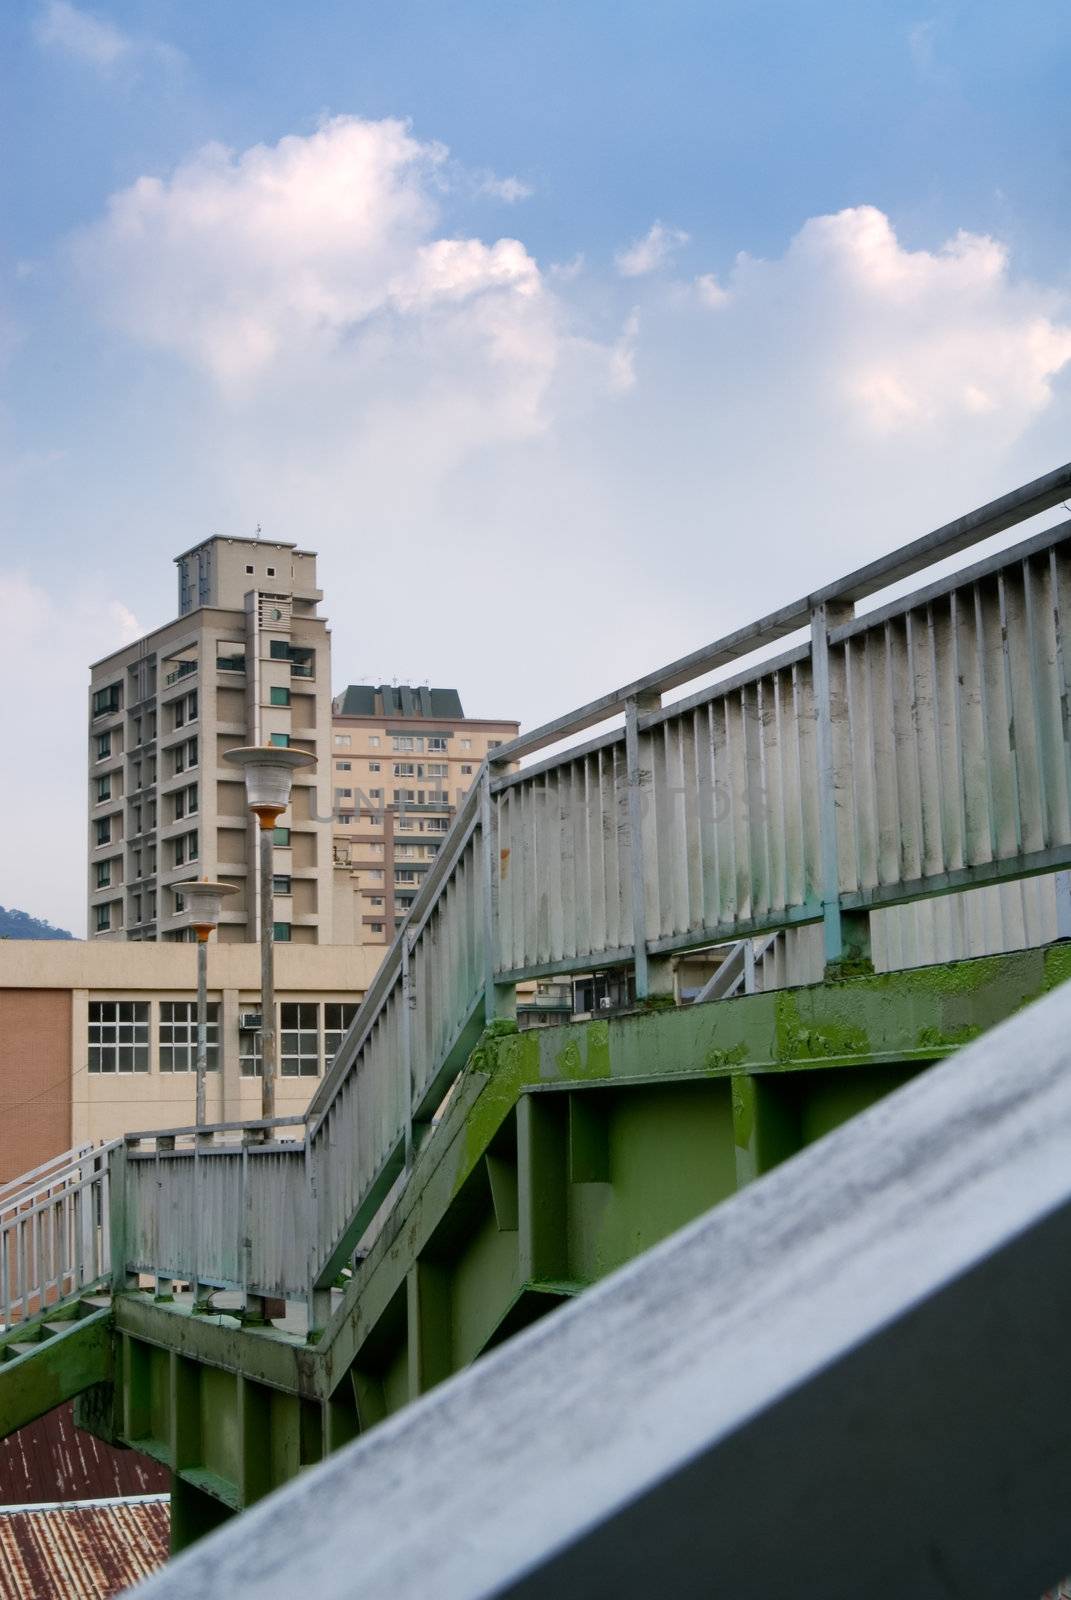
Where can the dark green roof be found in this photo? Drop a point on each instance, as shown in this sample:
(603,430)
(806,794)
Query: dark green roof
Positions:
(400,700)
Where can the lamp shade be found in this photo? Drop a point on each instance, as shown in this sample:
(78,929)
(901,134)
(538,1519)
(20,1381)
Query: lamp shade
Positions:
(203,902)
(269,773)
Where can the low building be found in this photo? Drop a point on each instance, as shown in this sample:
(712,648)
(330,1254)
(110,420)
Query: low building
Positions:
(97,1039)
(402,759)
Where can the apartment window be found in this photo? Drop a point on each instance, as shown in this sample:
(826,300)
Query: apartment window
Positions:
(404,901)
(137,865)
(104,788)
(281,740)
(104,874)
(118,1036)
(404,797)
(437,824)
(191,752)
(466,769)
(343,794)
(152,906)
(135,732)
(405,875)
(437,769)
(280,697)
(191,706)
(135,909)
(135,821)
(281,932)
(106,701)
(337,1017)
(343,741)
(249,571)
(281,883)
(191,800)
(178,1036)
(230,657)
(249,1059)
(375,899)
(405,769)
(299,1039)
(280,836)
(178,713)
(102,918)
(104,830)
(466,744)
(343,766)
(373,741)
(409,850)
(375,927)
(185,847)
(374,766)
(345,818)
(375,794)
(375,874)
(178,758)
(270,571)
(179,905)
(407,824)
(104,746)
(437,742)
(494,744)
(407,742)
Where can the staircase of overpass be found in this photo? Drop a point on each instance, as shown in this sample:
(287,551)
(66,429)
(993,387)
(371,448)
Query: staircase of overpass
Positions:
(239,1301)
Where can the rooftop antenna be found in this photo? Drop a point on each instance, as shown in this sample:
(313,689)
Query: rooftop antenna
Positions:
(258,530)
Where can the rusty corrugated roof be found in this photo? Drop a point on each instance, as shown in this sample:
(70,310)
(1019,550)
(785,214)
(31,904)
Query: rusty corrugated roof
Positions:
(87,1551)
(51,1459)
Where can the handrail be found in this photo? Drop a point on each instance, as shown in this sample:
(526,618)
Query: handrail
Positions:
(973,528)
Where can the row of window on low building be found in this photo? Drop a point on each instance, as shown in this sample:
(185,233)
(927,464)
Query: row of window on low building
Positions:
(119,1035)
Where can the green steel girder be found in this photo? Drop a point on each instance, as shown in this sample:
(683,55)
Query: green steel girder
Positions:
(68,1351)
(561,1154)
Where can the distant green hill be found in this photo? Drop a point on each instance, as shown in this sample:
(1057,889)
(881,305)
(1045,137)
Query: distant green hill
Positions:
(20,925)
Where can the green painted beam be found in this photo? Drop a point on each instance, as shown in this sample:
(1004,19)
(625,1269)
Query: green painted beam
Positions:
(561,1154)
(55,1370)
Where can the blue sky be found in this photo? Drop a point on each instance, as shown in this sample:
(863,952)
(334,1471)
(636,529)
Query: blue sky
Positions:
(580,331)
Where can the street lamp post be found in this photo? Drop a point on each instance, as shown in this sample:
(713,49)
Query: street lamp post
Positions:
(203,903)
(269,773)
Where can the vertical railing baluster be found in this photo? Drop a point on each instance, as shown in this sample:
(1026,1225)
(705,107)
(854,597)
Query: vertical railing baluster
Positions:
(499,999)
(846,934)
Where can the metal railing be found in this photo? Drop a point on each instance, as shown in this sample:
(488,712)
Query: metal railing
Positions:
(919,749)
(54,1231)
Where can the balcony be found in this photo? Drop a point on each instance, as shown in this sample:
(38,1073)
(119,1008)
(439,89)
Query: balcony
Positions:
(183,670)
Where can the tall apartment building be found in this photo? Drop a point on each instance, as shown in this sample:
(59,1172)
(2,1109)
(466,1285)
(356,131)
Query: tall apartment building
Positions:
(402,757)
(246,661)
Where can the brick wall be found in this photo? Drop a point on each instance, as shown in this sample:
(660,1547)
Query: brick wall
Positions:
(35,1077)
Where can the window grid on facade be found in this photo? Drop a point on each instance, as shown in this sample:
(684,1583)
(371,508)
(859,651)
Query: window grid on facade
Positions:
(118,1036)
(299,1039)
(249,1057)
(337,1017)
(178,1036)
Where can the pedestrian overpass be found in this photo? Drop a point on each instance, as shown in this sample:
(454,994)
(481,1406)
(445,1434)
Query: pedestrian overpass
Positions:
(242,1301)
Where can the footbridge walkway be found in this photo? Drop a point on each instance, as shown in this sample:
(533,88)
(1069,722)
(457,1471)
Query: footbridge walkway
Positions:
(278,1288)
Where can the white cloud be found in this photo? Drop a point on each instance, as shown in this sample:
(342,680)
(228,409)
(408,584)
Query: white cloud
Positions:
(572,477)
(96,40)
(651,252)
(508,189)
(710,291)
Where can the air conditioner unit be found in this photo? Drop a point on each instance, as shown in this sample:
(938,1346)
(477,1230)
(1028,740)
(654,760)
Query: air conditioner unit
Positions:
(249,1022)
(606,1003)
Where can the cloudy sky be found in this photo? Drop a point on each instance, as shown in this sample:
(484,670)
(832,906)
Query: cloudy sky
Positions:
(583,331)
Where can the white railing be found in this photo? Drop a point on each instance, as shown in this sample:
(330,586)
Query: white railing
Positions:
(922,748)
(54,1232)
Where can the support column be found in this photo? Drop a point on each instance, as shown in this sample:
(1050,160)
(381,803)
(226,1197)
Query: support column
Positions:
(654,976)
(766,1127)
(428,1310)
(267,968)
(500,999)
(846,934)
(542,1174)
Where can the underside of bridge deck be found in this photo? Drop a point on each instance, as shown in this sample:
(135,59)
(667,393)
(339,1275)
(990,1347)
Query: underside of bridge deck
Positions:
(561,1154)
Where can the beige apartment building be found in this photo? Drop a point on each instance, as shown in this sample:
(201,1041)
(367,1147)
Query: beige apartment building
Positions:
(401,760)
(246,661)
(98,1039)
